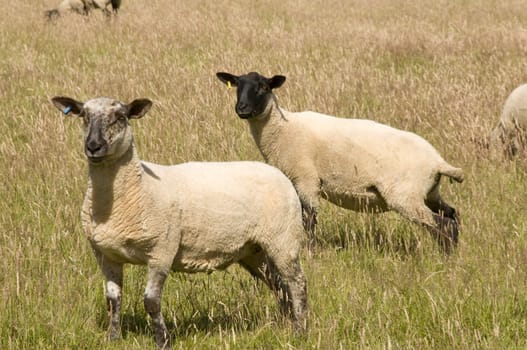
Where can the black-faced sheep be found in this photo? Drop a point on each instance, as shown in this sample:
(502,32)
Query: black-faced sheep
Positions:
(354,163)
(511,131)
(83,7)
(190,217)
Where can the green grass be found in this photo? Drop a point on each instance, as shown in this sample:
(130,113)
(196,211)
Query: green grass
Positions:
(438,68)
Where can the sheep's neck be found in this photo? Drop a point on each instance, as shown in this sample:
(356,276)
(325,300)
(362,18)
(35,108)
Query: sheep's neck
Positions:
(266,129)
(113,188)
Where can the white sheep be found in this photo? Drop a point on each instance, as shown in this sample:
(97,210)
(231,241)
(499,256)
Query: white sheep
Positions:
(354,163)
(190,217)
(511,130)
(83,7)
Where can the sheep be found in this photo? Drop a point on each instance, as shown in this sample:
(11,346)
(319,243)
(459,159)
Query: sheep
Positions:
(354,163)
(83,7)
(190,217)
(512,127)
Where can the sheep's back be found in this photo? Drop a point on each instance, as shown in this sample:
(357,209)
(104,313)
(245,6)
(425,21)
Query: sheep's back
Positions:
(365,144)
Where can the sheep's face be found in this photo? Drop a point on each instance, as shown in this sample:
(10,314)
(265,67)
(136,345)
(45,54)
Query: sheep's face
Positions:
(253,90)
(107,133)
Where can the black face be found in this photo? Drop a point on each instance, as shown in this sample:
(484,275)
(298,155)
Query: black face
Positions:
(253,94)
(253,90)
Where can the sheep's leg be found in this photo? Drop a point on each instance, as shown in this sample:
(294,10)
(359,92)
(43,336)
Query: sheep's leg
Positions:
(113,272)
(52,14)
(262,268)
(154,287)
(103,6)
(446,232)
(445,216)
(309,219)
(309,193)
(287,283)
(289,278)
(443,229)
(255,264)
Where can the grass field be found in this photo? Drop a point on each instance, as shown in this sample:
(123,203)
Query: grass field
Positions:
(439,68)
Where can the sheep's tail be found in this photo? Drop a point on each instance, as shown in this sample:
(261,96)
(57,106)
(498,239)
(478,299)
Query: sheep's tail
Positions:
(452,172)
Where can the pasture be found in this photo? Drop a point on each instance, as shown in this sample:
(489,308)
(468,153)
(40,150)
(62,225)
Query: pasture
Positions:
(441,69)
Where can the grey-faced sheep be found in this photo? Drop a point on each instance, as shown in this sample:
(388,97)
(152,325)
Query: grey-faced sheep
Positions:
(354,163)
(511,131)
(190,217)
(83,7)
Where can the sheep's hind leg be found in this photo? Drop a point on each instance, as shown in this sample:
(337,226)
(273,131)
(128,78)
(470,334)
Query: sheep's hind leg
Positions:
(114,283)
(289,277)
(154,287)
(52,15)
(309,219)
(309,193)
(260,267)
(445,217)
(443,229)
(287,283)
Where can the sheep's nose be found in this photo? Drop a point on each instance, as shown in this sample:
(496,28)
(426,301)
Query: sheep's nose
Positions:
(241,107)
(243,110)
(93,146)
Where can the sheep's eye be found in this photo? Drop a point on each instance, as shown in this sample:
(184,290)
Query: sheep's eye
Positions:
(118,118)
(263,89)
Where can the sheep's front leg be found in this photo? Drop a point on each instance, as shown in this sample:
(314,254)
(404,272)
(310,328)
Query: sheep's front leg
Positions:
(309,218)
(308,190)
(114,283)
(154,288)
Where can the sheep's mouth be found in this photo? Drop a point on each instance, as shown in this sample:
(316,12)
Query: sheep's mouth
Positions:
(95,159)
(246,115)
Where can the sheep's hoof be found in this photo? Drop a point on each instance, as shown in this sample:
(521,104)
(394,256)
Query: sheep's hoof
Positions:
(163,340)
(114,334)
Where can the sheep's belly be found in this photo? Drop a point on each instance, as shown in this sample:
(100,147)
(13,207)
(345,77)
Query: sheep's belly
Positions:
(199,260)
(367,201)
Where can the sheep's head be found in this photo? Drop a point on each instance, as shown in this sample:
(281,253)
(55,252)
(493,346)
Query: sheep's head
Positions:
(254,92)
(107,133)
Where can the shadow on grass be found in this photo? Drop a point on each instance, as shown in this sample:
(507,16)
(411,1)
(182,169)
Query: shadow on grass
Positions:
(200,322)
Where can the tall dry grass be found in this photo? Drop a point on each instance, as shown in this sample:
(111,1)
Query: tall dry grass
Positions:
(441,69)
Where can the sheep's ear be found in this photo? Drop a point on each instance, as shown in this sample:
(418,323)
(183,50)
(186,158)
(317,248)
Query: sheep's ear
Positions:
(227,78)
(67,105)
(138,108)
(276,81)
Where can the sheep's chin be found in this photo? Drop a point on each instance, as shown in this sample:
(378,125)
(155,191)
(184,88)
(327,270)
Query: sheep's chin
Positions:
(96,160)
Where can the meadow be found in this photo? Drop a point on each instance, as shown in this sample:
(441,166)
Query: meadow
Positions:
(439,68)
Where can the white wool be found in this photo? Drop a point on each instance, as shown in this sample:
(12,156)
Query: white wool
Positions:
(512,126)
(344,159)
